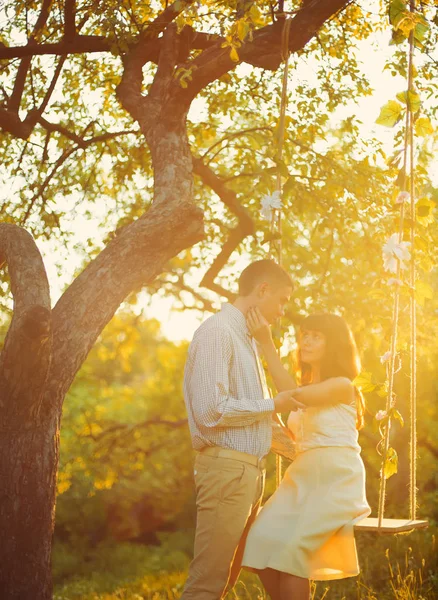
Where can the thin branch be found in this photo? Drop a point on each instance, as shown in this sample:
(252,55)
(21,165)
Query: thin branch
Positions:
(81,141)
(164,19)
(244,228)
(327,262)
(126,429)
(235,134)
(61,160)
(20,80)
(183,287)
(81,144)
(52,85)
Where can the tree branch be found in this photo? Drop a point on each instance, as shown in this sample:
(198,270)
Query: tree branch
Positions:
(52,85)
(265,48)
(25,358)
(81,144)
(15,99)
(69,20)
(244,228)
(164,19)
(131,260)
(126,429)
(79,140)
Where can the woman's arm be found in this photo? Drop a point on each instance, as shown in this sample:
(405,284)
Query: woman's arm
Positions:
(261,331)
(336,390)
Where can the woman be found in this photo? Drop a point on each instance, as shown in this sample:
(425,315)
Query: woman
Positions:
(305,530)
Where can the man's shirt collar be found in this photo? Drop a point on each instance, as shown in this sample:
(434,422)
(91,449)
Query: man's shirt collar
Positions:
(236,318)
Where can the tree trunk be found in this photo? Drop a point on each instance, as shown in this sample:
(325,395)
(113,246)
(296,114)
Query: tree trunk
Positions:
(36,375)
(29,458)
(28,442)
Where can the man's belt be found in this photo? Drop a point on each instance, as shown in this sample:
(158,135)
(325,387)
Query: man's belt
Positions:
(260,463)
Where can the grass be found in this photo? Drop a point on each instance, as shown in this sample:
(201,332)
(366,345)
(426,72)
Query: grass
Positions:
(393,568)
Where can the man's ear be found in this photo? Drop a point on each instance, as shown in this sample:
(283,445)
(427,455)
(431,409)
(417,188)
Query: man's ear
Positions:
(263,289)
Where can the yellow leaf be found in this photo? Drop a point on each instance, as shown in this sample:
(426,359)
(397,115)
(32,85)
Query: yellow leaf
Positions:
(391,463)
(390,114)
(412,99)
(364,382)
(423,127)
(242,29)
(424,211)
(233,54)
(422,291)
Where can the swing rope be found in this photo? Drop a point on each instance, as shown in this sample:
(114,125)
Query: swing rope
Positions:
(408,142)
(275,245)
(413,307)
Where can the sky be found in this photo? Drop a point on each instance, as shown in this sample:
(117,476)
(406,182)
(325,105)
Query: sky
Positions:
(175,325)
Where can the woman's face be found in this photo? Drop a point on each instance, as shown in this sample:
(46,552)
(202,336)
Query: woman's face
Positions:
(312,346)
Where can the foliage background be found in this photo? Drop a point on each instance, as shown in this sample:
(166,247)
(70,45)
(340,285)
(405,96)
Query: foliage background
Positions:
(125,507)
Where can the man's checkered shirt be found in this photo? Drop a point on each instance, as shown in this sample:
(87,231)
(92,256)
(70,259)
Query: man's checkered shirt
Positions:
(225,390)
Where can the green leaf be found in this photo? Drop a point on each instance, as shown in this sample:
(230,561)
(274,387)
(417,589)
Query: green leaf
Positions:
(391,463)
(397,9)
(242,29)
(390,114)
(421,29)
(364,382)
(411,99)
(397,37)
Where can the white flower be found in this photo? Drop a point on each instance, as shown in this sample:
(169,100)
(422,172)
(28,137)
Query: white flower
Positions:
(403,197)
(394,281)
(385,357)
(393,250)
(270,202)
(380,415)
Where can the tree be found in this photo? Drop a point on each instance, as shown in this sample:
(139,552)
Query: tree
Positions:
(157,58)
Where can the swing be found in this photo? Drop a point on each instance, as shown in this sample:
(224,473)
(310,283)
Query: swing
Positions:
(377,524)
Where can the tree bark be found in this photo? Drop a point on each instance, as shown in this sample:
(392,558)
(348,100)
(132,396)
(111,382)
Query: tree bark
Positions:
(28,442)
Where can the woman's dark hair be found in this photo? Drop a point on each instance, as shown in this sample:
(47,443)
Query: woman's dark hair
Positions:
(260,271)
(341,357)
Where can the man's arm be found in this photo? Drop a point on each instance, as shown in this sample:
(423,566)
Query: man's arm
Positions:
(207,385)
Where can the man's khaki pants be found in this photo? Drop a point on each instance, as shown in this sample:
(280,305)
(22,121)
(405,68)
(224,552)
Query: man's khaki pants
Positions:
(228,495)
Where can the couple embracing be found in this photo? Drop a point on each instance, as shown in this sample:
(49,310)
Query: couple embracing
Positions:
(305,530)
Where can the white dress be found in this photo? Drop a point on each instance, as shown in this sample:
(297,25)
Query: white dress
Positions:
(306,527)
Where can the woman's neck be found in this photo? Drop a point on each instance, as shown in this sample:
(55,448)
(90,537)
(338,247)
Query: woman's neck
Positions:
(316,374)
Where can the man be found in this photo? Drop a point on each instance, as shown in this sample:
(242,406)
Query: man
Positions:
(231,421)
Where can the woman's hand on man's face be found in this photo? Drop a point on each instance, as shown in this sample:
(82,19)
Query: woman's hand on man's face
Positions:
(258,326)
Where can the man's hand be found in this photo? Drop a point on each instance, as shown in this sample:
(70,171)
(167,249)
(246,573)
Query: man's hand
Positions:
(284,402)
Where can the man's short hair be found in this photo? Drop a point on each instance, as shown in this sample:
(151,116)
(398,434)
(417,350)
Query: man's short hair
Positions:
(263,270)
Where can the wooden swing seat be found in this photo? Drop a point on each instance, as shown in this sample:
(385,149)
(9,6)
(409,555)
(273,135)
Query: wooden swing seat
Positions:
(390,525)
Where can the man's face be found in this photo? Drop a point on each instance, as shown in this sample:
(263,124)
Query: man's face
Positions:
(272,300)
